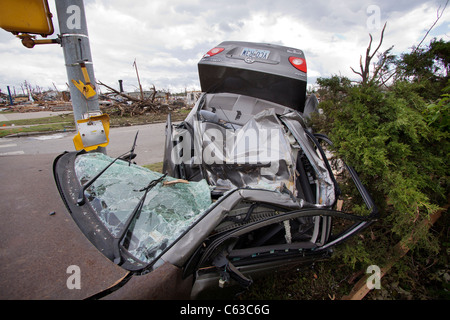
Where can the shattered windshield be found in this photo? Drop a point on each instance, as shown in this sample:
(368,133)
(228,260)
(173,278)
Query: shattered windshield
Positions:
(168,209)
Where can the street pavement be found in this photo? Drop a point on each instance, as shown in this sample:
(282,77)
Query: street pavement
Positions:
(30,115)
(149,146)
(39,242)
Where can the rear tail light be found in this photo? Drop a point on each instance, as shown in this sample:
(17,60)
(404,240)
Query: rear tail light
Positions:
(298,63)
(213,52)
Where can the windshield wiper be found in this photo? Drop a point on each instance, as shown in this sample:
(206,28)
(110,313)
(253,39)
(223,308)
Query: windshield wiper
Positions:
(127,155)
(131,155)
(135,214)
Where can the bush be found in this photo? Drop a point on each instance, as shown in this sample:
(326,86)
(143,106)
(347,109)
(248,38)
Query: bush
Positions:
(398,142)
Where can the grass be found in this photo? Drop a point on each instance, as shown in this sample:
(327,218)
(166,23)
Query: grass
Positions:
(320,281)
(64,118)
(66,122)
(46,124)
(177,115)
(157,167)
(36,128)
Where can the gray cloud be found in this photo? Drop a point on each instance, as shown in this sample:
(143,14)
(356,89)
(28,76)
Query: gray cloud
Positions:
(169,37)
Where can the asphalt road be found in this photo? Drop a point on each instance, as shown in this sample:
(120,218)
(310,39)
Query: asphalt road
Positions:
(38,239)
(149,148)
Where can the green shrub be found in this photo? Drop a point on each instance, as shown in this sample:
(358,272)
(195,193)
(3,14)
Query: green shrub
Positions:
(398,142)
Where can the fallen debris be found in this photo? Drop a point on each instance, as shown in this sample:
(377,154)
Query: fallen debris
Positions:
(170,183)
(360,290)
(122,104)
(53,106)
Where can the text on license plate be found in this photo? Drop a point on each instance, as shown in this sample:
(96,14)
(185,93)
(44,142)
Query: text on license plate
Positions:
(255,53)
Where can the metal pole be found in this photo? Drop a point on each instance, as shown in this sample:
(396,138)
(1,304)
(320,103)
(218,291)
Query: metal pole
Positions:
(10,98)
(77,52)
(139,81)
(75,44)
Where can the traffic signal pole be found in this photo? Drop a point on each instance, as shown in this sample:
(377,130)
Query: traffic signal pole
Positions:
(77,53)
(78,59)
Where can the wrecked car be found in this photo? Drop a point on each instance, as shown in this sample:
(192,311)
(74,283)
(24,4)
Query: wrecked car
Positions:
(246,188)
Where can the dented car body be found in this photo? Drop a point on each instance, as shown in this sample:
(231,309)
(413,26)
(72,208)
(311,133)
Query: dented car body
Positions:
(246,187)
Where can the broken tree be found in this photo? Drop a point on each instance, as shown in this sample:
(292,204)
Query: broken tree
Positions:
(129,105)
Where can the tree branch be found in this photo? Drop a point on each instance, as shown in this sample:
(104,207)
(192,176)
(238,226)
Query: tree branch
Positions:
(358,73)
(119,93)
(365,70)
(438,17)
(381,41)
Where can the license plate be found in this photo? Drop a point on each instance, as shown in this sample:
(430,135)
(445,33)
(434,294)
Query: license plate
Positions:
(255,53)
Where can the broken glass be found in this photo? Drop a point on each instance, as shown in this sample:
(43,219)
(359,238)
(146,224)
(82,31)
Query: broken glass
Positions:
(167,212)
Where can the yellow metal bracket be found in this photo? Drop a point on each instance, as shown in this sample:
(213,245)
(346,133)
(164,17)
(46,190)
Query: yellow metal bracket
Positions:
(30,41)
(25,17)
(87,88)
(93,130)
(92,133)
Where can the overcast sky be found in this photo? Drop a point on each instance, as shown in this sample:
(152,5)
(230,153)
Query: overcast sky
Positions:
(168,37)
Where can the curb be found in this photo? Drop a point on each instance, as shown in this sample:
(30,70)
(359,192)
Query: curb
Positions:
(36,133)
(41,133)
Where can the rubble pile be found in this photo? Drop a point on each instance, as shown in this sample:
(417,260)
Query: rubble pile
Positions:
(34,102)
(122,104)
(113,102)
(43,106)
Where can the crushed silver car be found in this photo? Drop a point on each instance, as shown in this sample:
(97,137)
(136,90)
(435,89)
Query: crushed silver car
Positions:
(246,187)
